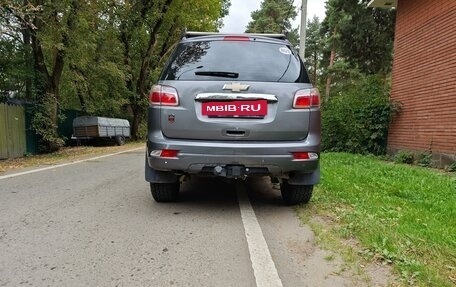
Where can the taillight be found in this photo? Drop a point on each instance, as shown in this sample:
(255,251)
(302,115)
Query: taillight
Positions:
(165,153)
(304,155)
(169,153)
(163,96)
(307,98)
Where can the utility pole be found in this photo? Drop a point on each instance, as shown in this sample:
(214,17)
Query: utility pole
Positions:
(302,34)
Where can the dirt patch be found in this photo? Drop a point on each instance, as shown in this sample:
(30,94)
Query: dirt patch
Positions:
(65,154)
(364,273)
(379,274)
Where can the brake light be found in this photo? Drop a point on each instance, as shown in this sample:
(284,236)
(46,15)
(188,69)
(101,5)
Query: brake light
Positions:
(169,153)
(163,96)
(304,155)
(236,38)
(307,98)
(300,155)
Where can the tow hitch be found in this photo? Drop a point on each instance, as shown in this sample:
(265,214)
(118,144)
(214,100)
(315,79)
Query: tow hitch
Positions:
(232,171)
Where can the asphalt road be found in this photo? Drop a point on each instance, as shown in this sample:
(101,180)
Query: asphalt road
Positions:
(94,223)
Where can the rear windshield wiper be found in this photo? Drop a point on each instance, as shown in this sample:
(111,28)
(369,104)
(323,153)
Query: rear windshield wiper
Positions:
(217,74)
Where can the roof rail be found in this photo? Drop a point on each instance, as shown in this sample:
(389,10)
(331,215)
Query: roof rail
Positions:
(191,34)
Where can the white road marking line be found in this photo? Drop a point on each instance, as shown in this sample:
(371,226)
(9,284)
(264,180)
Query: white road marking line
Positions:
(264,269)
(64,164)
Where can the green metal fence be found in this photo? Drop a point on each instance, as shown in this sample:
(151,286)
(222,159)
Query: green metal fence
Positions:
(12,131)
(65,127)
(17,136)
(31,137)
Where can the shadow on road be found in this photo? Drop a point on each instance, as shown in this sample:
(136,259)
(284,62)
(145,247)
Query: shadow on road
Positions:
(262,192)
(207,190)
(217,190)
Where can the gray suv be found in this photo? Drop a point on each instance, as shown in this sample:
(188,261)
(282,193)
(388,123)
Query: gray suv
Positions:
(234,106)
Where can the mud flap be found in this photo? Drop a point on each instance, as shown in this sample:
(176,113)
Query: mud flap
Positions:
(305,178)
(158,176)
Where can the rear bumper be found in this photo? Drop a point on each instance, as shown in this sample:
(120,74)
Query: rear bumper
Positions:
(197,157)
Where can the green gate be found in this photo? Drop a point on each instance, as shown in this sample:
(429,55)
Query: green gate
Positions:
(12,131)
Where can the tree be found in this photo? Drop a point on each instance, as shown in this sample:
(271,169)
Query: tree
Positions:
(357,119)
(314,48)
(147,31)
(357,60)
(275,16)
(49,26)
(16,63)
(361,35)
(93,79)
(100,56)
(13,72)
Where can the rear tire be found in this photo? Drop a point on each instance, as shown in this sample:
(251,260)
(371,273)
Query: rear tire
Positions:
(120,140)
(296,194)
(165,192)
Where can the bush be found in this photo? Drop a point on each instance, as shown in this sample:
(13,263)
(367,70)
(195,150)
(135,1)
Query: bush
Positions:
(44,122)
(452,167)
(425,160)
(404,157)
(356,118)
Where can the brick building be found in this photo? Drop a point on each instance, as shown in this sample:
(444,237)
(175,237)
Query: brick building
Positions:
(424,77)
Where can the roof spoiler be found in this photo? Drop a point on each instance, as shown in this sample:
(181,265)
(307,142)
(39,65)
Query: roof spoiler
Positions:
(191,34)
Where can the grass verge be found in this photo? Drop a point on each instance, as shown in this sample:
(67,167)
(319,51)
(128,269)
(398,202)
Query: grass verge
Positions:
(401,215)
(63,155)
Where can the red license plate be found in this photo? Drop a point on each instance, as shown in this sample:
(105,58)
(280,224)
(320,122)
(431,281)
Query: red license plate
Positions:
(235,108)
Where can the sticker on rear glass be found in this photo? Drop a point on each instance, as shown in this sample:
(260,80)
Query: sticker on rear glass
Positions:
(285,50)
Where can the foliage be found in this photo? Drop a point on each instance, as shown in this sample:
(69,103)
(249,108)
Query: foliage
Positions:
(12,70)
(45,127)
(425,159)
(97,56)
(146,32)
(404,157)
(356,119)
(361,36)
(275,16)
(42,30)
(356,58)
(401,215)
(452,167)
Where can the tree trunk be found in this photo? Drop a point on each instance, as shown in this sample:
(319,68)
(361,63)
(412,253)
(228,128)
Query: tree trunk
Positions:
(137,100)
(80,86)
(331,63)
(328,79)
(315,68)
(47,85)
(145,67)
(137,117)
(28,59)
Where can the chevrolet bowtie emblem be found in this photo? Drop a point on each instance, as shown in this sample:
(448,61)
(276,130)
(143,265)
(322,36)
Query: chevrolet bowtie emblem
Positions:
(236,87)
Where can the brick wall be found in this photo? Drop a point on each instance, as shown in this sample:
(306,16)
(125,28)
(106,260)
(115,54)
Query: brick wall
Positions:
(424,77)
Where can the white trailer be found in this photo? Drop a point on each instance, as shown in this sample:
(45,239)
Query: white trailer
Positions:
(90,127)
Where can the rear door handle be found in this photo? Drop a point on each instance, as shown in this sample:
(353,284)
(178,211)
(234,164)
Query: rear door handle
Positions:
(235,133)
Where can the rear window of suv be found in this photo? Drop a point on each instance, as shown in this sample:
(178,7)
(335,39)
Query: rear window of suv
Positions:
(240,60)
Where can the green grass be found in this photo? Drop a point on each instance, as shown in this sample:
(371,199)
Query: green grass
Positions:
(402,215)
